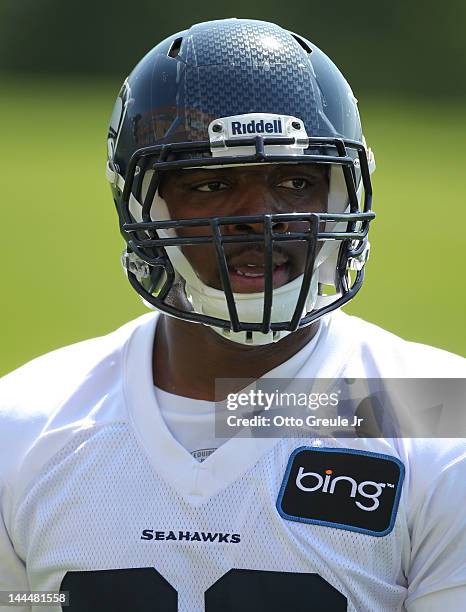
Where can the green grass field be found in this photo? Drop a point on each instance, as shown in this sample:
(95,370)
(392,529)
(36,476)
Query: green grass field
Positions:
(61,277)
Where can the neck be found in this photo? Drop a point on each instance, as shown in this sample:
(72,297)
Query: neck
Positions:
(189,357)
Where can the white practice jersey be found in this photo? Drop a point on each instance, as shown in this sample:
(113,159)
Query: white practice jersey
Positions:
(97,498)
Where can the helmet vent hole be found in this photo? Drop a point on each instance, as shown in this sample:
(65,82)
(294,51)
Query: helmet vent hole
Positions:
(175,48)
(249,337)
(302,43)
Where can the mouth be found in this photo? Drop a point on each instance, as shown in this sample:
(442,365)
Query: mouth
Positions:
(250,278)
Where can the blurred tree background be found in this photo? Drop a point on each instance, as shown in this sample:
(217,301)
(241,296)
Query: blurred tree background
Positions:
(387,47)
(61,65)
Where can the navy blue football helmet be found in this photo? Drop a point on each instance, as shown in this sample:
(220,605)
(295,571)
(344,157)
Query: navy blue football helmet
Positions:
(227,93)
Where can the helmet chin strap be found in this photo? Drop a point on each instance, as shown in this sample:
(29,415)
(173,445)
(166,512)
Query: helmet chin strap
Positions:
(248,305)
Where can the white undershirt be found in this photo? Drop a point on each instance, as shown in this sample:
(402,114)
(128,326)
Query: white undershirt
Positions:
(192,422)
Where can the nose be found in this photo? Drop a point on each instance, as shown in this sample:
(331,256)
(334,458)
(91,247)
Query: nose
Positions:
(258,228)
(255,200)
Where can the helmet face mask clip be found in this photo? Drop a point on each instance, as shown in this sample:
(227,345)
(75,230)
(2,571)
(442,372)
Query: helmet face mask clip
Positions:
(332,243)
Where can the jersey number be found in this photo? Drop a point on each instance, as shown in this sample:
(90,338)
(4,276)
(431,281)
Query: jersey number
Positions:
(239,590)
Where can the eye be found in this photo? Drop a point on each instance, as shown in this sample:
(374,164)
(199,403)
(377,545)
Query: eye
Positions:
(297,184)
(211,186)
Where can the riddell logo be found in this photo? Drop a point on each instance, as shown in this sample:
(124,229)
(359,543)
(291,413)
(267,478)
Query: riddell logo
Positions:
(342,488)
(256,127)
(327,484)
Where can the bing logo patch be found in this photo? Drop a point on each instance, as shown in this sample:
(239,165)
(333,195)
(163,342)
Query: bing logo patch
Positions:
(342,488)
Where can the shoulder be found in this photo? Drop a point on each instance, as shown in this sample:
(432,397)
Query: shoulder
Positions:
(39,385)
(59,391)
(378,352)
(435,490)
(432,462)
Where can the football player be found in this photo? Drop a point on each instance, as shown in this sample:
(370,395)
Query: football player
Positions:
(242,182)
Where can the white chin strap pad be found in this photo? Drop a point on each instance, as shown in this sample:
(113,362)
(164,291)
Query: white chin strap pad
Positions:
(326,260)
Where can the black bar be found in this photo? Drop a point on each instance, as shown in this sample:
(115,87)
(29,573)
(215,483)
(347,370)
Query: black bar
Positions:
(268,274)
(151,191)
(165,242)
(307,276)
(225,276)
(277,217)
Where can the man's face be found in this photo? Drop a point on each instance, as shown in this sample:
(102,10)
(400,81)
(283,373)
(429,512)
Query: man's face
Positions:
(239,191)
